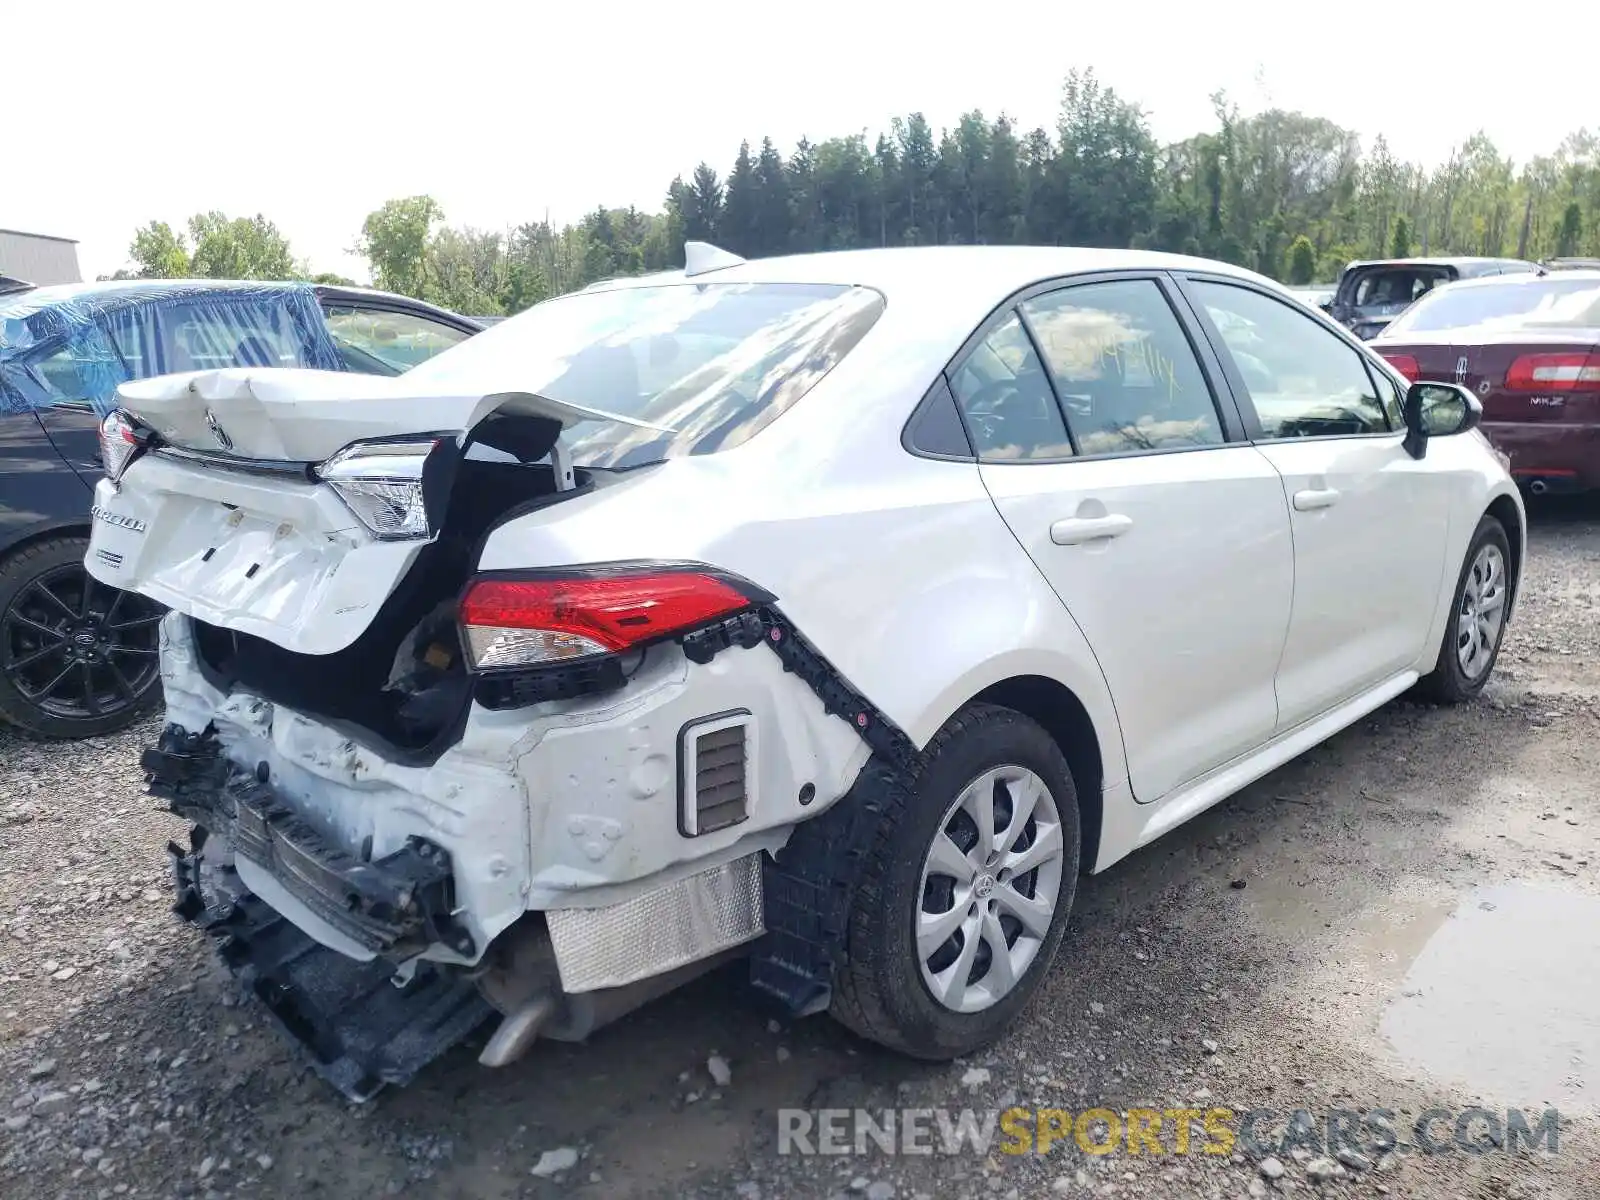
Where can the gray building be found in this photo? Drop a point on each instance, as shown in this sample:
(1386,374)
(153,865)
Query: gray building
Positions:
(38,257)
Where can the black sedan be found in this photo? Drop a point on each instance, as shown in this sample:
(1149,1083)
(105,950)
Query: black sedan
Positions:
(79,659)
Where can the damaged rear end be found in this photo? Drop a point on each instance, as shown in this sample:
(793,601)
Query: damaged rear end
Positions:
(423,795)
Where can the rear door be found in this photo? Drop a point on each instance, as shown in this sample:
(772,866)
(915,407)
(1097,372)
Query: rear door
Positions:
(1368,519)
(1102,442)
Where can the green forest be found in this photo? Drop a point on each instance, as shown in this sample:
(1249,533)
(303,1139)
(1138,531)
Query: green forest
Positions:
(1288,194)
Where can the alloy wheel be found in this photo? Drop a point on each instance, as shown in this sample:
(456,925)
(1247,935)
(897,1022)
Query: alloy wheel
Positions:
(78,650)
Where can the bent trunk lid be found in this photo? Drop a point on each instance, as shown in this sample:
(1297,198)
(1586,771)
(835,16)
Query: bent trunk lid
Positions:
(246,537)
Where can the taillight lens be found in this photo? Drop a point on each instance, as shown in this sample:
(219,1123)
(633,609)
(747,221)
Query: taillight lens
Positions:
(120,443)
(1405,364)
(381,483)
(1555,373)
(537,621)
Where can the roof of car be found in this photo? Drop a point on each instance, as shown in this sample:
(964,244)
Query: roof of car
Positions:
(85,301)
(995,271)
(1523,278)
(1443,260)
(104,295)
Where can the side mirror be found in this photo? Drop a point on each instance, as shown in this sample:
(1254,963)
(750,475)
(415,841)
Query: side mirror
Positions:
(1438,410)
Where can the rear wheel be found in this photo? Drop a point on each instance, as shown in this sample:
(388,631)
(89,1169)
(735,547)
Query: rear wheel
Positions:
(77,658)
(963,904)
(1477,619)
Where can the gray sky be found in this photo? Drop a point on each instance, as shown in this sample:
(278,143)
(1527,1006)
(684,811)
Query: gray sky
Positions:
(315,113)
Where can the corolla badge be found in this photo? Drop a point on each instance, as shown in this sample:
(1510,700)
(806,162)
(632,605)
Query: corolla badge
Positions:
(1485,388)
(217,431)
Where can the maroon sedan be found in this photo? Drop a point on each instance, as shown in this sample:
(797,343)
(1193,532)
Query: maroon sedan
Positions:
(1529,346)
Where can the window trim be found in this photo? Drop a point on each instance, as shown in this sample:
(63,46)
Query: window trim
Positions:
(1229,416)
(1236,382)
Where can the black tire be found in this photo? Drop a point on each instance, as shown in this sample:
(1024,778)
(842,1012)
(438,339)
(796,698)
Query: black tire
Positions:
(1449,682)
(879,991)
(47,599)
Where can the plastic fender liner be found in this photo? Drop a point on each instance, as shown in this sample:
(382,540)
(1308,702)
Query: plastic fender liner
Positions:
(809,886)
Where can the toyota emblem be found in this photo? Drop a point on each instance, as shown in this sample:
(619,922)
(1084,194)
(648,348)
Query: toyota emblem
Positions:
(1485,388)
(217,431)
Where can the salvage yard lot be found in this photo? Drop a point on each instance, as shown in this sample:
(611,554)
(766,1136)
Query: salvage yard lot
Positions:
(1323,940)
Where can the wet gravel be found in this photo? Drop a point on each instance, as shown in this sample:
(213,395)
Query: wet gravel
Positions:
(1247,960)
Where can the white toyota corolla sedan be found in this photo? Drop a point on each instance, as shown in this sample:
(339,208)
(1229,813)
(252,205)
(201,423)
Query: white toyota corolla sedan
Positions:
(836,611)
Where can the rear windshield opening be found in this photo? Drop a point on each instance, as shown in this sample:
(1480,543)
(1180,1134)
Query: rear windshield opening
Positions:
(1386,287)
(1550,301)
(705,365)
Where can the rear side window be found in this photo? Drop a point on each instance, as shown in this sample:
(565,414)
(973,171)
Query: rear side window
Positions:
(1006,399)
(382,342)
(1124,369)
(206,334)
(1303,380)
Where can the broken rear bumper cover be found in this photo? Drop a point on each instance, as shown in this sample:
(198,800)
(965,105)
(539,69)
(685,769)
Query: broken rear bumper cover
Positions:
(378,1019)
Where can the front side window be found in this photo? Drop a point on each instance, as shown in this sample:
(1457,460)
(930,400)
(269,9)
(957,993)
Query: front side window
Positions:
(1006,400)
(62,376)
(1303,380)
(707,365)
(1124,369)
(386,343)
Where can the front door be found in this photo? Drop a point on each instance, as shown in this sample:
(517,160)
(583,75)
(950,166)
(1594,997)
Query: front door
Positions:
(1101,443)
(1369,520)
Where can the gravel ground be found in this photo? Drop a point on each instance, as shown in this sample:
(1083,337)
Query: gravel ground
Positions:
(1264,955)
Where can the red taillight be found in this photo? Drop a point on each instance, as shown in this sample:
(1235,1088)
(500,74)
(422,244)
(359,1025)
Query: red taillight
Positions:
(1570,372)
(1405,364)
(530,622)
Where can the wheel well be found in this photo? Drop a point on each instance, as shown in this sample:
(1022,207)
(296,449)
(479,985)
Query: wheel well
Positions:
(1504,510)
(36,536)
(1064,718)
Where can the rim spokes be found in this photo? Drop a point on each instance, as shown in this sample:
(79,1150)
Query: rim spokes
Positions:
(1482,612)
(991,879)
(79,650)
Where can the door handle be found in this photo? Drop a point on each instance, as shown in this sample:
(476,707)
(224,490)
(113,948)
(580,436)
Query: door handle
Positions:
(1316,498)
(1075,531)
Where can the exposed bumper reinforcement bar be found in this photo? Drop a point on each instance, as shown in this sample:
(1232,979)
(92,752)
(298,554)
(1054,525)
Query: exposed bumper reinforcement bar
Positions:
(358,1028)
(395,906)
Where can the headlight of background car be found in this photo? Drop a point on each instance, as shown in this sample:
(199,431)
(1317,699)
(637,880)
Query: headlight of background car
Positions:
(382,483)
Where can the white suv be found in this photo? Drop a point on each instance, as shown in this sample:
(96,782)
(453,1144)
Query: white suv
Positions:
(834,610)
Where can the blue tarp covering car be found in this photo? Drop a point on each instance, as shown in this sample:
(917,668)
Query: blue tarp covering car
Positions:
(77,658)
(77,343)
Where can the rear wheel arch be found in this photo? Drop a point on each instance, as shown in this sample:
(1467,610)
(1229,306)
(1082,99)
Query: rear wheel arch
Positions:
(35,534)
(1057,709)
(1504,509)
